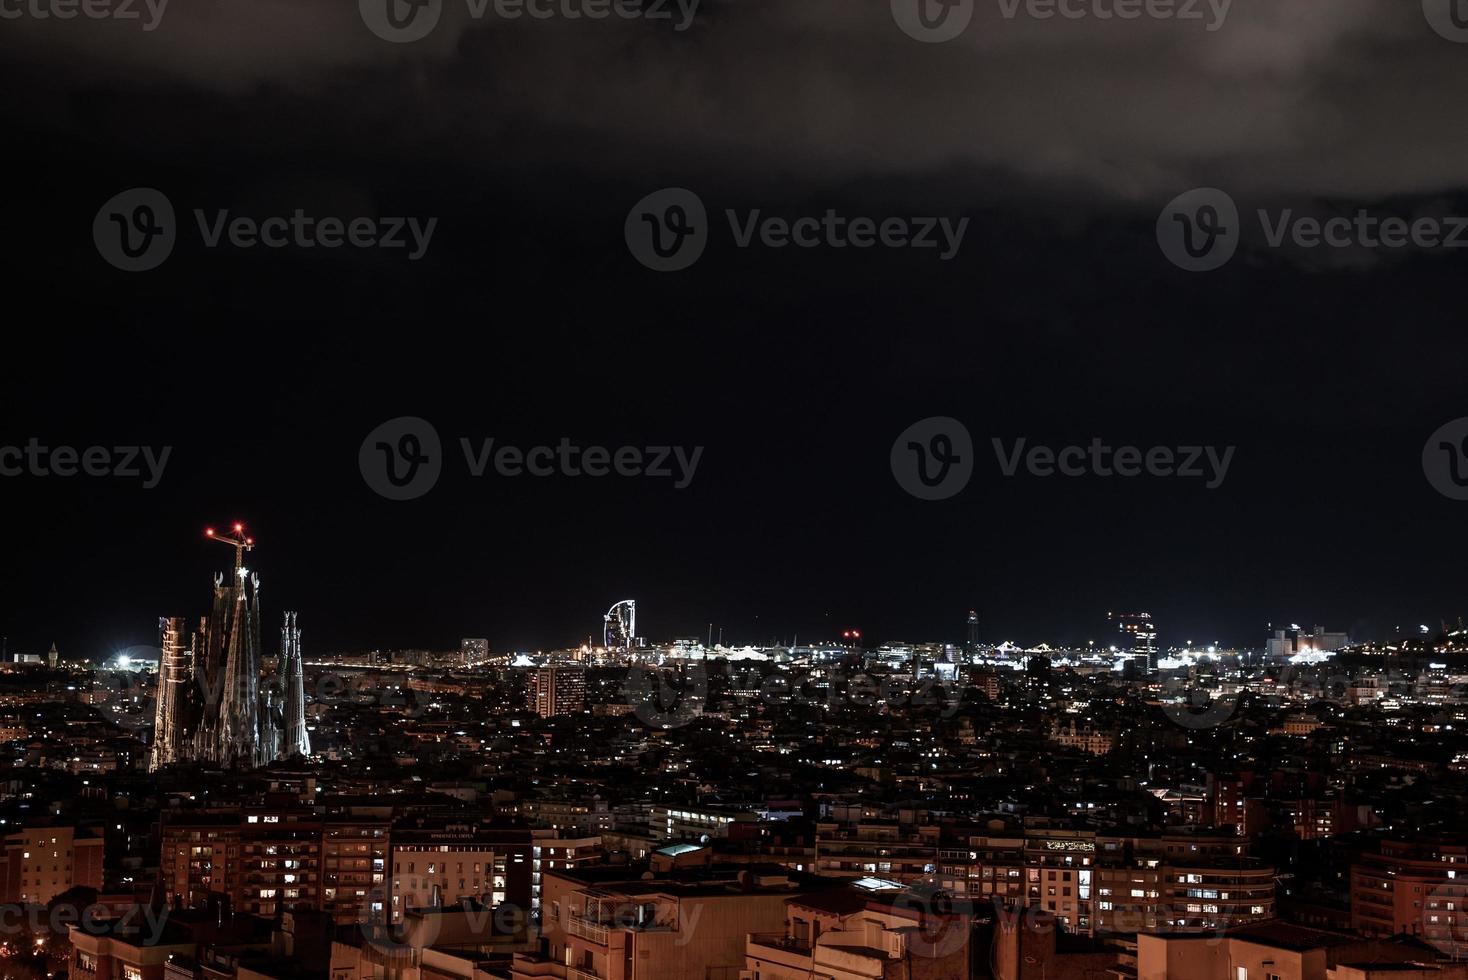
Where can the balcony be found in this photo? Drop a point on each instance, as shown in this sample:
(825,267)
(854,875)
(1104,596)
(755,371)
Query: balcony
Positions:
(778,940)
(389,954)
(575,973)
(526,965)
(584,928)
(778,949)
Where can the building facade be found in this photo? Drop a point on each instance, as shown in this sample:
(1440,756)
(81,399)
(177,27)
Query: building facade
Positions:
(558,691)
(1418,888)
(43,862)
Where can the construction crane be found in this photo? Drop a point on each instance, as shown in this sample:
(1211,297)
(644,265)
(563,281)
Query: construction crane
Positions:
(240,542)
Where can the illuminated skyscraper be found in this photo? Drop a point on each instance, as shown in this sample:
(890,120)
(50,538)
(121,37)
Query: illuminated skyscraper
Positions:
(170,715)
(297,739)
(1139,637)
(619,629)
(474,651)
(558,691)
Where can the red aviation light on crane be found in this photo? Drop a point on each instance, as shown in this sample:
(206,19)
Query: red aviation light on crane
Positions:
(238,541)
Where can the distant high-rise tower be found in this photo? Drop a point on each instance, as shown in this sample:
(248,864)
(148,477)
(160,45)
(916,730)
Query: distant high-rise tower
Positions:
(558,691)
(1139,636)
(53,657)
(170,713)
(297,739)
(474,652)
(972,645)
(619,626)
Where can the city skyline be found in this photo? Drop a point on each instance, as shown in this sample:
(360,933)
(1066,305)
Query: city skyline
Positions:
(957,633)
(960,635)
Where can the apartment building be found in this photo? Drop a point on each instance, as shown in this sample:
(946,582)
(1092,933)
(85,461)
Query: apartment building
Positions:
(1081,737)
(697,823)
(991,867)
(1190,879)
(550,851)
(568,816)
(1280,950)
(572,817)
(116,952)
(273,859)
(1415,887)
(558,691)
(154,943)
(200,856)
(280,855)
(41,862)
(456,942)
(616,924)
(869,929)
(267,859)
(891,849)
(1059,874)
(440,863)
(354,857)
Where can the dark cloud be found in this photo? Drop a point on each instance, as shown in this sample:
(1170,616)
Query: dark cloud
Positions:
(1284,97)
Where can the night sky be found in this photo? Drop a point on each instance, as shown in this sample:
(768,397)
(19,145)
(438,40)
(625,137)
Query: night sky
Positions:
(528,320)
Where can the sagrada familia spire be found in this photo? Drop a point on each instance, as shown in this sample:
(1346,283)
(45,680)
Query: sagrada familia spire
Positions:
(213,704)
(297,739)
